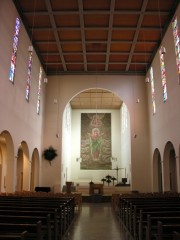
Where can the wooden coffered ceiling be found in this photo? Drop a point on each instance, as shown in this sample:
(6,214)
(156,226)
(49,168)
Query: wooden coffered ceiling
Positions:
(96,36)
(96,99)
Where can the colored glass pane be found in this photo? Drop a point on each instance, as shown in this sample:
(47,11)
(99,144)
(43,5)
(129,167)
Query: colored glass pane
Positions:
(28,84)
(177,44)
(163,73)
(39,90)
(14,51)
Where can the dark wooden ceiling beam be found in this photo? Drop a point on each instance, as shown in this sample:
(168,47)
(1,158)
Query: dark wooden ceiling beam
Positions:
(94,42)
(80,4)
(143,8)
(55,31)
(125,28)
(51,72)
(109,33)
(89,12)
(96,63)
(95,53)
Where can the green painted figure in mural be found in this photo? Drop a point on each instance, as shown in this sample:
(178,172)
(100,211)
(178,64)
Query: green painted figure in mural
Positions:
(95,143)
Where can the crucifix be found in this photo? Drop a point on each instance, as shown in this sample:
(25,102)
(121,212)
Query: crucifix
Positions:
(117,170)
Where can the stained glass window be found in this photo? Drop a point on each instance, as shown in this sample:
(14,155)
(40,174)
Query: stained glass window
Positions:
(177,44)
(163,73)
(28,84)
(39,90)
(152,90)
(14,51)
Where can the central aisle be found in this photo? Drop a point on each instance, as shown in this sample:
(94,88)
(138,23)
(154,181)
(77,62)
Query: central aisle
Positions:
(96,221)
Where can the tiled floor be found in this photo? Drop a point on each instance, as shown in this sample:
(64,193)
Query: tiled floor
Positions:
(96,221)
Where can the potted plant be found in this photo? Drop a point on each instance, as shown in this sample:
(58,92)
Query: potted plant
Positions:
(108,179)
(103,180)
(113,179)
(49,154)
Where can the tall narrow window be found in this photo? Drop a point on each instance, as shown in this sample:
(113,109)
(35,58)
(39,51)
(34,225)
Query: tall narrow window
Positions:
(124,118)
(28,84)
(177,44)
(14,51)
(163,73)
(152,90)
(39,90)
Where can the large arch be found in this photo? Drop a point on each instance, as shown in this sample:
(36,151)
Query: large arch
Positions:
(7,169)
(169,168)
(157,171)
(74,163)
(35,170)
(23,168)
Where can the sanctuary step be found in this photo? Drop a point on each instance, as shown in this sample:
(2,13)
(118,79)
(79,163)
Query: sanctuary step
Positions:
(107,190)
(96,198)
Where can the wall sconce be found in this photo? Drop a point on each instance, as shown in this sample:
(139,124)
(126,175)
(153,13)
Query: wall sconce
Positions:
(135,135)
(147,79)
(45,80)
(163,50)
(78,159)
(30,48)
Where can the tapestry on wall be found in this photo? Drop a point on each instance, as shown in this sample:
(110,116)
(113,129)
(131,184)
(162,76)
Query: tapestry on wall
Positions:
(95,141)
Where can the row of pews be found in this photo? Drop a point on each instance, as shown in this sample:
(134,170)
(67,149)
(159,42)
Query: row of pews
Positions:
(150,216)
(36,216)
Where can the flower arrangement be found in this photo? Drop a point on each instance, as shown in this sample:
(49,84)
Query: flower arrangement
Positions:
(49,154)
(108,179)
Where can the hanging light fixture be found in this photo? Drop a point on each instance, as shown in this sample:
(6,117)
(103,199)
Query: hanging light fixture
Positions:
(147,80)
(96,104)
(45,80)
(162,49)
(30,49)
(134,107)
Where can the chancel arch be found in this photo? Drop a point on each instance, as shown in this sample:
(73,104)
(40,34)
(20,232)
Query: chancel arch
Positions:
(79,167)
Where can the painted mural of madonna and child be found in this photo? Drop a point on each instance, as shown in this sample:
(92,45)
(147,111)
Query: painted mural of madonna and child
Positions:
(96,141)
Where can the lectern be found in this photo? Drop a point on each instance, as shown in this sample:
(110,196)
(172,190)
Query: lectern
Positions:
(68,187)
(95,189)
